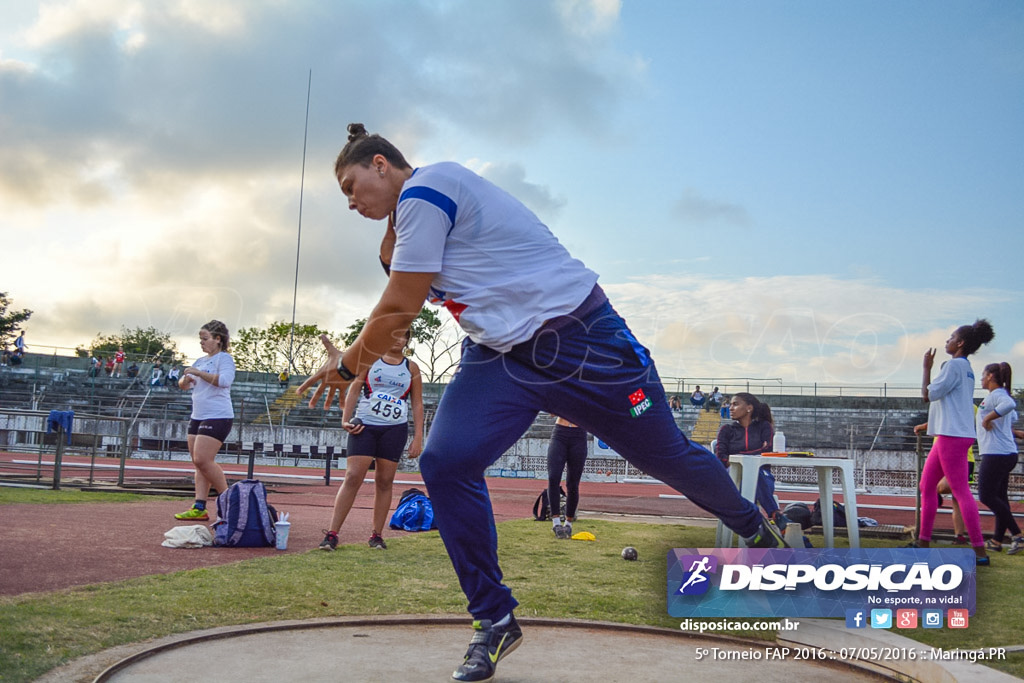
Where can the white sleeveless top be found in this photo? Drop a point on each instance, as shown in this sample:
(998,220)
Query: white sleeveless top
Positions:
(384,396)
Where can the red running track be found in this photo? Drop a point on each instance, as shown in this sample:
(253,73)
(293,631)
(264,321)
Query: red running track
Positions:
(47,547)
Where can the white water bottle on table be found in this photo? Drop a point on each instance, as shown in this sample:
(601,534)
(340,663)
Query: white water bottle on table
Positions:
(779,443)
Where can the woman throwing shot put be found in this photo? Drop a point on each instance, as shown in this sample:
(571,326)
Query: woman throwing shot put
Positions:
(210,379)
(541,336)
(376,416)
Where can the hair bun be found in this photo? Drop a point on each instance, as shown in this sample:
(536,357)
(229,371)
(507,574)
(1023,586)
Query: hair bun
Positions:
(983,328)
(356,131)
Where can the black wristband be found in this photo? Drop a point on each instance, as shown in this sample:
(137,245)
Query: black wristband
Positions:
(345,373)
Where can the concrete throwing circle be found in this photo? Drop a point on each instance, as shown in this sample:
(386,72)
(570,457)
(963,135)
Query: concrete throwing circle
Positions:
(391,649)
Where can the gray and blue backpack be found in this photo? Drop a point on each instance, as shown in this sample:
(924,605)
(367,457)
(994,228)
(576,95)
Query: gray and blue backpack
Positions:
(245,519)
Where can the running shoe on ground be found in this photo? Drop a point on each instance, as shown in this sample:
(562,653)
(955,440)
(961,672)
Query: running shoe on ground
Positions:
(1016,546)
(489,645)
(194,514)
(377,542)
(330,541)
(564,529)
(960,540)
(767,536)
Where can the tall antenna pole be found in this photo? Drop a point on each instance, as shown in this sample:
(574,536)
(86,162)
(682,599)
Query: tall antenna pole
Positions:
(298,240)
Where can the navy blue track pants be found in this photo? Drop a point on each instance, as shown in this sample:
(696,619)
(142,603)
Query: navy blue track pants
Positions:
(590,370)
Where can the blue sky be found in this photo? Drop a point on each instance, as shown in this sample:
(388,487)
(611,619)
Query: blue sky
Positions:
(809,191)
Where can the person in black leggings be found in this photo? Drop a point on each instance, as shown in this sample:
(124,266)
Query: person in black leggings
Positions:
(994,421)
(567,452)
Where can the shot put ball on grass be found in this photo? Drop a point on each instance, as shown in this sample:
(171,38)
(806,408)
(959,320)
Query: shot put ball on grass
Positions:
(629,553)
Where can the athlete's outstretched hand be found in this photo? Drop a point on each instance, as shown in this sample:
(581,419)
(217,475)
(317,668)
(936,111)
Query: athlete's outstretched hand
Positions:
(326,379)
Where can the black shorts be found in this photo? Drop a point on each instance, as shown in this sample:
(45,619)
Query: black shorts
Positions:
(217,429)
(379,441)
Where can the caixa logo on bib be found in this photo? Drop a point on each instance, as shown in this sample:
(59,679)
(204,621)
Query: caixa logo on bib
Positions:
(733,582)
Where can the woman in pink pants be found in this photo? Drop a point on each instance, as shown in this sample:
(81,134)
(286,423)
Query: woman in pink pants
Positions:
(951,422)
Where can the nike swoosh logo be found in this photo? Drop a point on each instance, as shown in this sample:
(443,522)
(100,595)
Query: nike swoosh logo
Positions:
(497,650)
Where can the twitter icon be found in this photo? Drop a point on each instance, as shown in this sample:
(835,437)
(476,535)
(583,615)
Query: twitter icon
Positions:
(881,618)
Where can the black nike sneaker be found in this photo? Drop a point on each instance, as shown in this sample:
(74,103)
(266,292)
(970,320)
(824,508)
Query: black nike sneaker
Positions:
(490,643)
(767,536)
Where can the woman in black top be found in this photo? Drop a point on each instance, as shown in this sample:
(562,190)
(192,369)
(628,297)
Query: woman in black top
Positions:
(751,433)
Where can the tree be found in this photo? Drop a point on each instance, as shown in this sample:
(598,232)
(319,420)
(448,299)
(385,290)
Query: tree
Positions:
(10,323)
(140,344)
(440,344)
(266,350)
(437,347)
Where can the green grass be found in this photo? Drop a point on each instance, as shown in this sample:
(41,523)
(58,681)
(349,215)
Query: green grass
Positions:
(10,495)
(550,578)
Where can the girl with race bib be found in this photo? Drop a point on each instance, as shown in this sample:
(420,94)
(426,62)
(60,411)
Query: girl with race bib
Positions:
(376,416)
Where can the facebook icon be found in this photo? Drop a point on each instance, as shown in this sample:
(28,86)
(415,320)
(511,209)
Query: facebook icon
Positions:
(856,618)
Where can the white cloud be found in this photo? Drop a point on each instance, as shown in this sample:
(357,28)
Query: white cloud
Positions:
(801,329)
(512,179)
(694,209)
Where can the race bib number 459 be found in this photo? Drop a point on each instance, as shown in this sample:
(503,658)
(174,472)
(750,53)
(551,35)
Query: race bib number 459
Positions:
(388,408)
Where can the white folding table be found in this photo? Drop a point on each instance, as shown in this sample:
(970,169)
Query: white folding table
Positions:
(744,469)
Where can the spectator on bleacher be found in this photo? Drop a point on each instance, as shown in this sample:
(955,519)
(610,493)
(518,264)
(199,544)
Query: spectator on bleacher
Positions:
(697,398)
(751,433)
(376,417)
(118,361)
(173,375)
(94,365)
(109,366)
(19,344)
(283,378)
(133,370)
(210,379)
(714,400)
(156,374)
(675,404)
(6,357)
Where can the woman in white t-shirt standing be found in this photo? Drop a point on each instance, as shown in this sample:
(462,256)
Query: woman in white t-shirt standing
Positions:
(210,379)
(996,415)
(376,417)
(951,421)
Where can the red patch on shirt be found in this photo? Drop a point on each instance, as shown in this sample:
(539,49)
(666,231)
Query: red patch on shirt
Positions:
(455,309)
